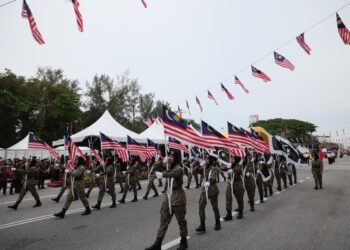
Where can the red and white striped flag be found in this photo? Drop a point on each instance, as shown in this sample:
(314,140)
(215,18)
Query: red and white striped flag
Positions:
(179,111)
(78,15)
(199,104)
(228,93)
(343,31)
(210,96)
(35,142)
(107,142)
(283,62)
(144,3)
(73,149)
(175,144)
(97,156)
(27,13)
(148,122)
(259,74)
(302,43)
(237,81)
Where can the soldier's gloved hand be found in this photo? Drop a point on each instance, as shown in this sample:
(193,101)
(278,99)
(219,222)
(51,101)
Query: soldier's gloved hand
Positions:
(156,158)
(88,171)
(247,174)
(67,171)
(159,175)
(123,172)
(206,184)
(14,169)
(202,164)
(97,175)
(229,171)
(165,160)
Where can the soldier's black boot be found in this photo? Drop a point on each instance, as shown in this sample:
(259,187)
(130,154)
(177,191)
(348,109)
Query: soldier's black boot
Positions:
(135,199)
(201,228)
(261,200)
(271,192)
(145,196)
(295,181)
(279,188)
(252,207)
(57,199)
(228,215)
(316,188)
(114,204)
(97,206)
(240,214)
(217,224)
(37,204)
(13,206)
(87,211)
(156,194)
(122,200)
(236,210)
(157,245)
(183,244)
(61,214)
(187,187)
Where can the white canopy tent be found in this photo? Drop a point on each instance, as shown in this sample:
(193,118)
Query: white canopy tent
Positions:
(2,153)
(155,132)
(107,125)
(20,150)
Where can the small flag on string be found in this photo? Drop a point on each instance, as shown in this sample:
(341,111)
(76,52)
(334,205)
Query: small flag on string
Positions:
(144,3)
(148,122)
(199,104)
(343,31)
(237,81)
(302,43)
(259,74)
(210,96)
(188,108)
(283,62)
(27,13)
(229,95)
(78,15)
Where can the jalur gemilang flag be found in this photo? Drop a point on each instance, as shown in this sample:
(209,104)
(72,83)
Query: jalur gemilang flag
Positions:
(283,62)
(27,13)
(343,31)
(259,74)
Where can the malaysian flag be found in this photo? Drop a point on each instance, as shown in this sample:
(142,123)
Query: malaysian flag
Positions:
(217,139)
(343,31)
(188,108)
(259,74)
(259,140)
(26,12)
(108,143)
(229,95)
(199,104)
(65,141)
(176,127)
(302,43)
(175,144)
(73,149)
(78,15)
(95,153)
(238,135)
(282,61)
(210,96)
(152,148)
(136,148)
(238,82)
(35,142)
(148,122)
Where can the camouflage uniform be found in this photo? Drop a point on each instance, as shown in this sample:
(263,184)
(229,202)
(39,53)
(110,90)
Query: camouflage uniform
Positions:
(317,170)
(156,167)
(30,182)
(195,172)
(109,174)
(187,168)
(210,174)
(130,181)
(178,204)
(282,168)
(249,182)
(119,177)
(259,182)
(65,186)
(289,172)
(276,164)
(294,171)
(95,180)
(79,186)
(268,185)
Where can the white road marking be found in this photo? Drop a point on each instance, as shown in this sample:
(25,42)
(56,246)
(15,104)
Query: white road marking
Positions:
(172,243)
(308,177)
(301,181)
(233,214)
(277,192)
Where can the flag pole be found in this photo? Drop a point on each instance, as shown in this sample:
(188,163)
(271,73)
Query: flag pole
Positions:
(167,167)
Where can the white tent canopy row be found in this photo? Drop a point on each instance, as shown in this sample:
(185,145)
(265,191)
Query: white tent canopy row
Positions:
(107,125)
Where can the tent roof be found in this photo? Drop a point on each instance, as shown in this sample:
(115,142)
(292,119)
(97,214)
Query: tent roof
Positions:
(155,132)
(107,125)
(21,145)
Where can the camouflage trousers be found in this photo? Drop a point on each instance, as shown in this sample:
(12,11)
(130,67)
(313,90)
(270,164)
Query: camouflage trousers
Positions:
(79,189)
(165,219)
(64,188)
(294,170)
(132,184)
(203,203)
(260,184)
(290,176)
(250,187)
(238,192)
(317,173)
(268,185)
(278,177)
(284,178)
(111,190)
(151,185)
(31,188)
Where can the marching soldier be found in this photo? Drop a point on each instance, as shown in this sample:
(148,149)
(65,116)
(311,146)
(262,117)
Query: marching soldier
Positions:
(131,178)
(187,168)
(259,178)
(268,184)
(283,170)
(107,182)
(234,186)
(210,192)
(276,167)
(29,183)
(153,167)
(289,172)
(95,176)
(249,180)
(195,171)
(294,171)
(66,185)
(317,170)
(119,175)
(79,186)
(177,204)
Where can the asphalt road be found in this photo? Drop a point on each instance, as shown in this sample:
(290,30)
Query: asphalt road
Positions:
(297,218)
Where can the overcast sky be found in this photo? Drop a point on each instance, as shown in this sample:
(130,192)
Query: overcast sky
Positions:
(180,48)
